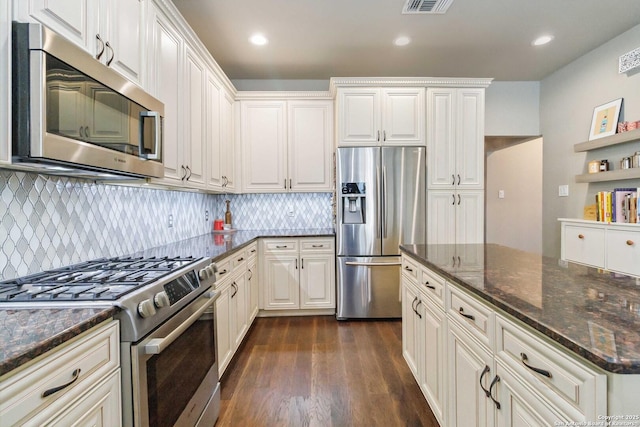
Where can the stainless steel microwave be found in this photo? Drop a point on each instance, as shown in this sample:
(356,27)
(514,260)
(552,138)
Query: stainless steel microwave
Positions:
(72,115)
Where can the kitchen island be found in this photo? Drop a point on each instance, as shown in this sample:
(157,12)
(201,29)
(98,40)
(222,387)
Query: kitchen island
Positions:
(567,336)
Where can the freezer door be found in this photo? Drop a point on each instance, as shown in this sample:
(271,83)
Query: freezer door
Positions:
(403,195)
(358,207)
(369,287)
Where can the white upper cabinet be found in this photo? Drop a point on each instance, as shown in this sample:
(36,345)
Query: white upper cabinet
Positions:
(110,30)
(5,83)
(228,142)
(212,132)
(194,151)
(388,116)
(286,145)
(455,138)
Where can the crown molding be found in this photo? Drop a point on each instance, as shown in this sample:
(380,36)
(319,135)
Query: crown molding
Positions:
(337,82)
(280,95)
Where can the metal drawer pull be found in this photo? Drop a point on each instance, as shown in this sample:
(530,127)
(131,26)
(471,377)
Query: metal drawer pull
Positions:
(468,316)
(253,250)
(317,246)
(495,380)
(235,287)
(240,259)
(406,267)
(281,247)
(223,272)
(429,286)
(630,243)
(580,236)
(419,315)
(533,368)
(75,376)
(484,372)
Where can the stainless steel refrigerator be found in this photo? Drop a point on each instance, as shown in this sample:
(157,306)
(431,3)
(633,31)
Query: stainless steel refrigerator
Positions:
(381,203)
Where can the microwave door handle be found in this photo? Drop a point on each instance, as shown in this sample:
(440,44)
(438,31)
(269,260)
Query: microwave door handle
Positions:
(158,345)
(156,153)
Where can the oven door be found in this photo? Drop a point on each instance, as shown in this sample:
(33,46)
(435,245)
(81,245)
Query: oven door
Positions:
(175,370)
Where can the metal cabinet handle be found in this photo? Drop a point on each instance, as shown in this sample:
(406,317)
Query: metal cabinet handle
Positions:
(454,199)
(80,129)
(458,179)
(630,243)
(86,132)
(296,263)
(485,371)
(419,302)
(453,179)
(290,187)
(458,200)
(99,54)
(223,272)
(241,259)
(253,250)
(189,170)
(413,304)
(533,368)
(317,246)
(496,380)
(378,138)
(580,236)
(468,316)
(302,263)
(250,274)
(74,377)
(406,267)
(429,286)
(285,183)
(113,54)
(384,135)
(235,287)
(281,247)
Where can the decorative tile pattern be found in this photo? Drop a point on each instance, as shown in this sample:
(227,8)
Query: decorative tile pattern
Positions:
(48,222)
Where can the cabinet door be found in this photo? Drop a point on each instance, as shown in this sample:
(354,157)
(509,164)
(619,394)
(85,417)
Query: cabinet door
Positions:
(166,76)
(432,366)
(253,286)
(310,145)
(469,121)
(76,20)
(99,407)
(228,142)
(441,217)
(470,216)
(441,141)
(224,341)
(468,404)
(193,117)
(5,82)
(410,326)
(123,27)
(102,119)
(519,407)
(359,119)
(68,97)
(239,309)
(213,132)
(280,281)
(264,146)
(403,116)
(317,280)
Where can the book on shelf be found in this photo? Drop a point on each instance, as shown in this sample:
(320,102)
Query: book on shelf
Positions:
(622,205)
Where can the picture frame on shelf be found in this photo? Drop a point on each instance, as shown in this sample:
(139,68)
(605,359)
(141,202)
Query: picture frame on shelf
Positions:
(605,119)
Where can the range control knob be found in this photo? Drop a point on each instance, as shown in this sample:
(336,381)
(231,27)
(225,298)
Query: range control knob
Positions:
(146,308)
(203,274)
(161,299)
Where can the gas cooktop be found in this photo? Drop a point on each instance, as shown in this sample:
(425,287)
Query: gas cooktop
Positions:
(106,279)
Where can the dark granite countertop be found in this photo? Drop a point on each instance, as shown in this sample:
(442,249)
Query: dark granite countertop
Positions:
(217,246)
(591,312)
(26,333)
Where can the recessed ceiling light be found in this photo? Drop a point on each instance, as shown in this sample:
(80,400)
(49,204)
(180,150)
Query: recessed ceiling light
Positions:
(542,40)
(402,41)
(258,40)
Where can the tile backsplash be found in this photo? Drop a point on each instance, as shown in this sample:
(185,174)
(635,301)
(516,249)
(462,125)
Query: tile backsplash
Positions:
(48,222)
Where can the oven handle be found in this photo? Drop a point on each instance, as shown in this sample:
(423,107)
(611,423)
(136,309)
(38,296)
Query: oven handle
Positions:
(157,345)
(158,138)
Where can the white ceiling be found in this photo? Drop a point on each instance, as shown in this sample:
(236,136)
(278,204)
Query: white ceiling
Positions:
(319,39)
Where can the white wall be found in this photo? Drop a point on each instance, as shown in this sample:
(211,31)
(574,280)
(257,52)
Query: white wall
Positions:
(512,108)
(515,220)
(567,100)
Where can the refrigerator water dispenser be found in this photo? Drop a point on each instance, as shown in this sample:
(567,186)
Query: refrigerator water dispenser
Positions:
(353,203)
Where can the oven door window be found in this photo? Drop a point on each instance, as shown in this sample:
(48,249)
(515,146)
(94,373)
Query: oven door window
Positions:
(80,108)
(174,375)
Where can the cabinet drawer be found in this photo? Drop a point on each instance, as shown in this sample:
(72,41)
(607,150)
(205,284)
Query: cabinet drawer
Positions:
(410,268)
(320,245)
(584,245)
(623,251)
(474,316)
(91,357)
(434,286)
(239,259)
(252,250)
(280,245)
(224,269)
(568,383)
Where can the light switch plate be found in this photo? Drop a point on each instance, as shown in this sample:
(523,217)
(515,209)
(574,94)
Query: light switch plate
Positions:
(563,191)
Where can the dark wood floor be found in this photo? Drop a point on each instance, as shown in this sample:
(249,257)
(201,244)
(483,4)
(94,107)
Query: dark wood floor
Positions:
(316,371)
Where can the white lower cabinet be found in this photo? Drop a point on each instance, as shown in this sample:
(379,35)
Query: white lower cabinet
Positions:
(478,366)
(253,283)
(90,365)
(298,274)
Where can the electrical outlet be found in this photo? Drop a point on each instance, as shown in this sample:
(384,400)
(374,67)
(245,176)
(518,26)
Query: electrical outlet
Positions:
(170,220)
(206,215)
(500,194)
(290,211)
(563,191)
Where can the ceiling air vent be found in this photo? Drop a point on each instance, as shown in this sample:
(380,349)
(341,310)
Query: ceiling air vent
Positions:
(426,6)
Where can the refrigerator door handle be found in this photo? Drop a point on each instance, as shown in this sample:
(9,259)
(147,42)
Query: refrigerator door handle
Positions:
(379,205)
(372,264)
(384,202)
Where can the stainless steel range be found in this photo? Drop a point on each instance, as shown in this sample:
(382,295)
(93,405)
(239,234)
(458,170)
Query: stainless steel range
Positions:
(167,318)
